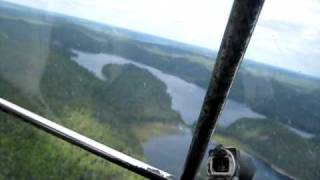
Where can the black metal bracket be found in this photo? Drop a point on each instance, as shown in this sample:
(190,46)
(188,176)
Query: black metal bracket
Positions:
(243,18)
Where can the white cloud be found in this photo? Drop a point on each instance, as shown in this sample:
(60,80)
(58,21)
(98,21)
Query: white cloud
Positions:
(287,34)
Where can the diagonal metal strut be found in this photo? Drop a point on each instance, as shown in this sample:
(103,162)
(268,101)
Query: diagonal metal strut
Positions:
(84,142)
(242,21)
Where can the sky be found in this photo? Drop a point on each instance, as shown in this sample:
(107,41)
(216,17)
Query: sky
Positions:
(287,34)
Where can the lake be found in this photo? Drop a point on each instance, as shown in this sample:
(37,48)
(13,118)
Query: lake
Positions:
(186,98)
(169,151)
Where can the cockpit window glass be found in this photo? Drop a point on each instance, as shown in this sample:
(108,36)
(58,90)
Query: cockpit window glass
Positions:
(272,112)
(133,75)
(129,74)
(28,153)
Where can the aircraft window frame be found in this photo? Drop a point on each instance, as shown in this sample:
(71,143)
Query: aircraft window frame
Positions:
(235,41)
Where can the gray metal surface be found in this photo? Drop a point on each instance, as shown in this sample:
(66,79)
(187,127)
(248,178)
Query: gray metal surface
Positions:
(242,20)
(83,142)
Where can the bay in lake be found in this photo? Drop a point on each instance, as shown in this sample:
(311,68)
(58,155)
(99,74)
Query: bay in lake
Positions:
(169,151)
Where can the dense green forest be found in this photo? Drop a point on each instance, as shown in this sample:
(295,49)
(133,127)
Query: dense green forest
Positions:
(265,89)
(37,73)
(27,153)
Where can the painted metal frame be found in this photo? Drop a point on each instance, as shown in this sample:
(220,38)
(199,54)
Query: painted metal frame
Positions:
(242,21)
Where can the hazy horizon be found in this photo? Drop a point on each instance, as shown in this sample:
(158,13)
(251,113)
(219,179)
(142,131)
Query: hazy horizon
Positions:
(284,39)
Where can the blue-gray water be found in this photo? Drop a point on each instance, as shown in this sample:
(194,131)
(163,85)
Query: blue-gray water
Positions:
(168,151)
(186,97)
